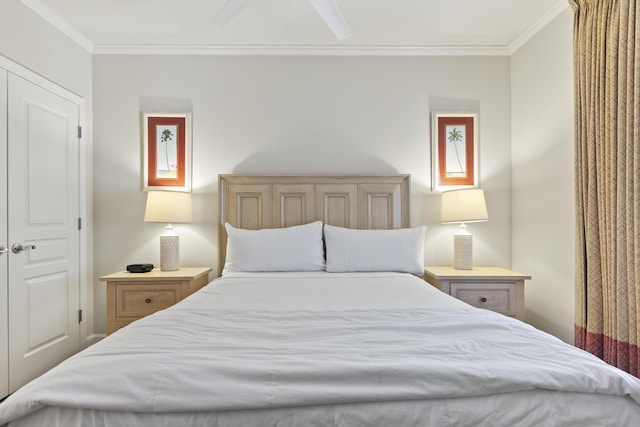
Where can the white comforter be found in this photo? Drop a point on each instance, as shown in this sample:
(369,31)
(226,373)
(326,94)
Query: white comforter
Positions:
(250,343)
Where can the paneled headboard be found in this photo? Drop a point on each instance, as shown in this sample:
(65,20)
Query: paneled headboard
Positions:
(352,201)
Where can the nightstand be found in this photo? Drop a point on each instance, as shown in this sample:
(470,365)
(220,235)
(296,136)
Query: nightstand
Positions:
(492,288)
(131,296)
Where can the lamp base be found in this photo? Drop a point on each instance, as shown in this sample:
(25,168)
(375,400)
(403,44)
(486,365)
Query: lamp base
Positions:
(463,251)
(169,253)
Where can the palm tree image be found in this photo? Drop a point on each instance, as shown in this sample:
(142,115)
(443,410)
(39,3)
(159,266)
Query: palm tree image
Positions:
(455,136)
(166,136)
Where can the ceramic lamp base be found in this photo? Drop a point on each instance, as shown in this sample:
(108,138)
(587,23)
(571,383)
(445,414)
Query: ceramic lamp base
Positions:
(169,253)
(463,251)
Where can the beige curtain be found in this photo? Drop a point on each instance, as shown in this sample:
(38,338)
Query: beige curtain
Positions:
(607,126)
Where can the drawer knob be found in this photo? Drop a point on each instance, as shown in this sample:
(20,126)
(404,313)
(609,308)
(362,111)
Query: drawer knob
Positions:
(483,299)
(148,300)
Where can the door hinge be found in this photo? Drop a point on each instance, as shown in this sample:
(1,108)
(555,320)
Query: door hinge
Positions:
(79,223)
(79,316)
(79,132)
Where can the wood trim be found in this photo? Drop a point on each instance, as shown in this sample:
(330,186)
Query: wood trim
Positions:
(296,198)
(153,123)
(337,204)
(468,123)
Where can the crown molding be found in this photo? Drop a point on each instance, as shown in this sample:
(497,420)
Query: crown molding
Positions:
(536,27)
(63,26)
(301,50)
(59,23)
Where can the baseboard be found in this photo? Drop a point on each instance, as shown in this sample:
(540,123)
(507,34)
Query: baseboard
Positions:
(93,338)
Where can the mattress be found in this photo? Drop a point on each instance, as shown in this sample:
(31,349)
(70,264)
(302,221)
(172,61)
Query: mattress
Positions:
(327,349)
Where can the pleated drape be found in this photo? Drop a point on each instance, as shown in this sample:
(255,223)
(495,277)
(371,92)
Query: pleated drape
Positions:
(607,172)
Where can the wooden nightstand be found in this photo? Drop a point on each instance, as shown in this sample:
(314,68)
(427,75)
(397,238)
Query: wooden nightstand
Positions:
(492,288)
(131,296)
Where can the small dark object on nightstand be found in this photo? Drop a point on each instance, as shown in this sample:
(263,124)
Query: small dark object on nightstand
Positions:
(139,268)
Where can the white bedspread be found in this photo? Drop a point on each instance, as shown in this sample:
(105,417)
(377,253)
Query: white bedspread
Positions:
(248,343)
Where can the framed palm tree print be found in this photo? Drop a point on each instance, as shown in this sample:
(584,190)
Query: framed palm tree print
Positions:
(166,151)
(454,150)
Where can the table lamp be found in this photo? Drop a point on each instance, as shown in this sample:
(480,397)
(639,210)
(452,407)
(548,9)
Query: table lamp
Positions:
(170,207)
(462,206)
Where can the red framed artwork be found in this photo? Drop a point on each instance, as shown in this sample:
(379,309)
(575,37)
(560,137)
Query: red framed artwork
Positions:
(166,151)
(454,156)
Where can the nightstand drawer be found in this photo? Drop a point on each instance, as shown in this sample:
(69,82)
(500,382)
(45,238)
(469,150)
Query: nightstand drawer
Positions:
(132,296)
(500,297)
(492,288)
(134,300)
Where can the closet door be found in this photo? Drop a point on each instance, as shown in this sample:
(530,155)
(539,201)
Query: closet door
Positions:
(4,242)
(43,205)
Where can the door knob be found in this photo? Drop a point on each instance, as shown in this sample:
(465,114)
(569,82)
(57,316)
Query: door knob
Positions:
(19,247)
(3,249)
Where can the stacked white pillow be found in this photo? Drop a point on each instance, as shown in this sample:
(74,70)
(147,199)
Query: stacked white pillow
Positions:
(297,248)
(399,250)
(302,248)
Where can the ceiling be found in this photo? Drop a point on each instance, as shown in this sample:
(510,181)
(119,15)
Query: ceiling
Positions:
(484,27)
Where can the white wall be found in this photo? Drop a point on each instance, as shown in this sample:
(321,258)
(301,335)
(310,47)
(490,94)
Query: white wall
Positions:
(324,115)
(32,42)
(28,40)
(542,144)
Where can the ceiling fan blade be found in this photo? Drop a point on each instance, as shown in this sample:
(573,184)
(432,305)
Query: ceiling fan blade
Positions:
(229,11)
(329,11)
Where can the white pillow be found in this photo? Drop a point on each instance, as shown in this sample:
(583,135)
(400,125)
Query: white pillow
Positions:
(297,248)
(400,250)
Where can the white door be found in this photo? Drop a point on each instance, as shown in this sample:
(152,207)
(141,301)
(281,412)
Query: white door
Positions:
(43,205)
(4,256)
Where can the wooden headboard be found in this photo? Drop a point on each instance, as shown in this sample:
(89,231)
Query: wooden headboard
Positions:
(352,201)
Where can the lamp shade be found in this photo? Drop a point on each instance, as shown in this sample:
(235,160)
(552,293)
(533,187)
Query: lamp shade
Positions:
(464,205)
(168,206)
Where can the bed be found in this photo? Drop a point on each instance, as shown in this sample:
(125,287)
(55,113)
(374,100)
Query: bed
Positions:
(322,319)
